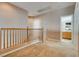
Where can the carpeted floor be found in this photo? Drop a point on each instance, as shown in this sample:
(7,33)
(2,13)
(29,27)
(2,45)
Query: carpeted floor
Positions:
(44,50)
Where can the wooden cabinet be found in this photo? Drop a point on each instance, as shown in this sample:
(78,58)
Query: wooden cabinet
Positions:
(67,35)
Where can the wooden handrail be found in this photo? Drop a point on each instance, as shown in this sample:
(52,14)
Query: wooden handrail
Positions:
(15,36)
(21,28)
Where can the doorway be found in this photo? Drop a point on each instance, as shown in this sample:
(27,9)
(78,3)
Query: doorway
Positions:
(66,28)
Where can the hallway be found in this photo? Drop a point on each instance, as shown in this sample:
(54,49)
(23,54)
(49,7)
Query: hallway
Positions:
(38,29)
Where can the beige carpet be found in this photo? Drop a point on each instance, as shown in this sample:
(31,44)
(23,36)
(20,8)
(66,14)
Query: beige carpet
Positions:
(42,50)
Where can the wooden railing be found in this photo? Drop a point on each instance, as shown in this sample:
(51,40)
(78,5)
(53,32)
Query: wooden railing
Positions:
(11,37)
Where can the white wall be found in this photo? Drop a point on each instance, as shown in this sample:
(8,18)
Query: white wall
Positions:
(11,16)
(76,27)
(51,20)
(64,26)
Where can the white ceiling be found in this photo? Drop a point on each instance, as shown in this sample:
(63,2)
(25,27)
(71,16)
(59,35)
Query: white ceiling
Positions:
(34,7)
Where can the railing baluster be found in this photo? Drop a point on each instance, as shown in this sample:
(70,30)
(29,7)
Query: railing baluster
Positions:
(0,38)
(6,39)
(42,36)
(11,37)
(17,38)
(27,35)
(20,36)
(24,37)
(14,37)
